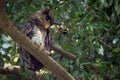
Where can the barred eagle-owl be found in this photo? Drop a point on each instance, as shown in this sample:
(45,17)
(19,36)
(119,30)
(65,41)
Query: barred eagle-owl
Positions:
(37,30)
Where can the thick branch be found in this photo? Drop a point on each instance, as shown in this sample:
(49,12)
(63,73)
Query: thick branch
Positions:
(64,53)
(40,54)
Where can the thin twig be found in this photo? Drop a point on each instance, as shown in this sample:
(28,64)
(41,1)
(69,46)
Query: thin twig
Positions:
(105,44)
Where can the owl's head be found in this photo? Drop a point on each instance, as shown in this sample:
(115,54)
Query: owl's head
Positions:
(45,17)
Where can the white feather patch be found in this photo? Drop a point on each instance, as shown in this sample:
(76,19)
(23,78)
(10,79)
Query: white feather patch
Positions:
(39,36)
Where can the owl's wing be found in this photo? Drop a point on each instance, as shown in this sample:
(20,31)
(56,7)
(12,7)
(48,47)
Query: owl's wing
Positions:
(48,40)
(27,29)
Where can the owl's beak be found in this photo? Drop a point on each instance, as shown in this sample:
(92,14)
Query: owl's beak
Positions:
(47,26)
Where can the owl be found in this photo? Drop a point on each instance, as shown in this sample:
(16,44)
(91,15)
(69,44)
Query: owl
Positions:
(37,29)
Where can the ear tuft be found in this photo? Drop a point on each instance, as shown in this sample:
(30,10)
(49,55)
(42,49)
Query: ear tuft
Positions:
(46,10)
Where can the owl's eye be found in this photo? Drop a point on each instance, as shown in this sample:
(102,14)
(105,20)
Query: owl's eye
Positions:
(47,17)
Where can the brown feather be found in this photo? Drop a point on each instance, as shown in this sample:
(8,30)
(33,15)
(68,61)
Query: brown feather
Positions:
(37,29)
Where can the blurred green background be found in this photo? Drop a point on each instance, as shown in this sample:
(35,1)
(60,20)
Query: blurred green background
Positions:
(93,36)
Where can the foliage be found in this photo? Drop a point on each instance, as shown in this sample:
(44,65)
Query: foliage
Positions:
(93,35)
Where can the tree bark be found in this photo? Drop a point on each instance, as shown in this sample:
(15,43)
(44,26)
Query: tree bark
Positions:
(40,54)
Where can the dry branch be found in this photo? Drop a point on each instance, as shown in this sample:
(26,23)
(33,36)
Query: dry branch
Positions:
(41,54)
(16,70)
(9,69)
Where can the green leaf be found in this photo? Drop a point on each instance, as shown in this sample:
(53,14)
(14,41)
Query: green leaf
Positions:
(115,40)
(116,50)
(117,7)
(1,62)
(31,8)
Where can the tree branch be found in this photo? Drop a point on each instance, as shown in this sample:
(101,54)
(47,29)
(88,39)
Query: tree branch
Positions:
(64,53)
(8,69)
(40,54)
(16,70)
